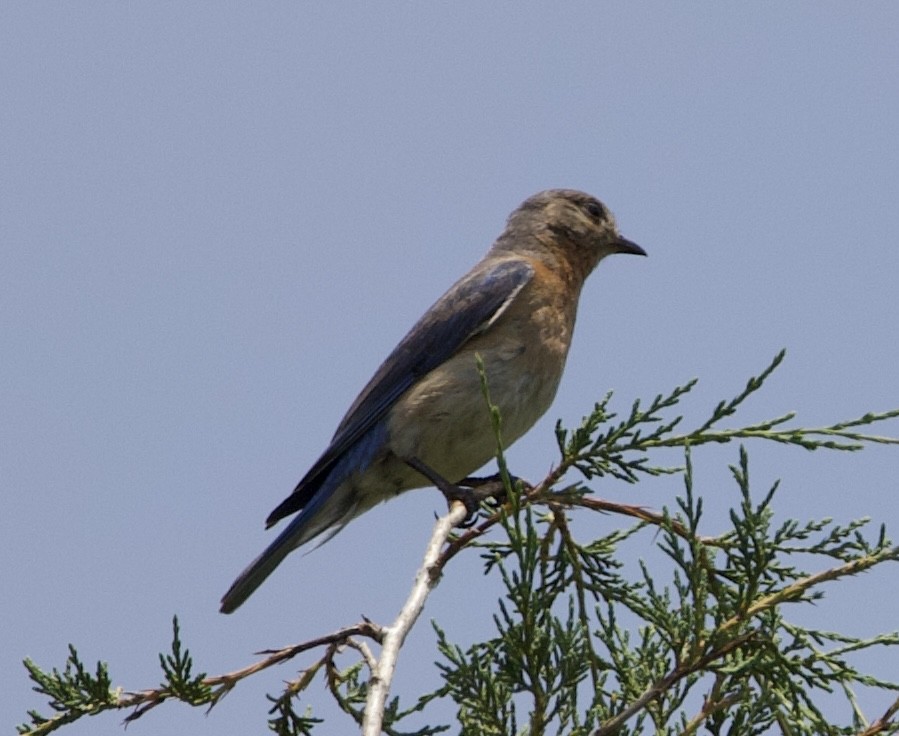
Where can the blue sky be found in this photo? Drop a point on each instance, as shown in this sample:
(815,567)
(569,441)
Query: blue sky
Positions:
(217,221)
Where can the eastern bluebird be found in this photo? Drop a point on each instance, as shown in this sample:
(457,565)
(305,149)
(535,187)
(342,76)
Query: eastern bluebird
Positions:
(423,417)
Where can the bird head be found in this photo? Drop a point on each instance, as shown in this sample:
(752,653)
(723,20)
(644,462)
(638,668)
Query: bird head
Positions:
(566,223)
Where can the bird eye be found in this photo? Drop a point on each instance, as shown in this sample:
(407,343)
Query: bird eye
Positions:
(596,210)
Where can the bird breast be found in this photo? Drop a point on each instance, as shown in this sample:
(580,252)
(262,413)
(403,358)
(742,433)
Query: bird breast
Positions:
(523,354)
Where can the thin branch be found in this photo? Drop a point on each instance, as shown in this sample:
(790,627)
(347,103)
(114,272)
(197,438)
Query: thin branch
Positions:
(882,723)
(541,494)
(395,634)
(145,700)
(710,708)
(366,628)
(365,651)
(795,591)
(664,684)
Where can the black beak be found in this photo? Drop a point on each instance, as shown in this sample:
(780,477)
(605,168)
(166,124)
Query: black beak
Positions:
(629,246)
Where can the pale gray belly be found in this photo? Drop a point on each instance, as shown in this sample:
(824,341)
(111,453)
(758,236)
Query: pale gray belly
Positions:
(444,419)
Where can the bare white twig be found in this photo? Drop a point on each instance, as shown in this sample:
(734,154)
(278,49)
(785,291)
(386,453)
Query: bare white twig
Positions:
(395,634)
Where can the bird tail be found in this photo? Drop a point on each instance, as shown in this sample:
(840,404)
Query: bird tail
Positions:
(324,517)
(257,571)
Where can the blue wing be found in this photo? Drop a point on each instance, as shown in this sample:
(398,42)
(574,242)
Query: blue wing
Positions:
(466,309)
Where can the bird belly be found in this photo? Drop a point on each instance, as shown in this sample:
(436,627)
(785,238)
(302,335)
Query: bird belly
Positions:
(444,419)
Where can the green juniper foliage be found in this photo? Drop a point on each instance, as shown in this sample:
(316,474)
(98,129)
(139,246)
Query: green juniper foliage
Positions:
(718,628)
(699,637)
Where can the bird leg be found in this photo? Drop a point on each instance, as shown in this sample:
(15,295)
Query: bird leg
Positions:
(470,492)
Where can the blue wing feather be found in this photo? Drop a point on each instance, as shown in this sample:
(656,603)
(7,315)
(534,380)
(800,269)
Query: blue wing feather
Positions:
(463,311)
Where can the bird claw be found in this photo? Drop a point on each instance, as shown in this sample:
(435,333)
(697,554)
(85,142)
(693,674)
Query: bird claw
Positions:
(469,498)
(470,492)
(490,488)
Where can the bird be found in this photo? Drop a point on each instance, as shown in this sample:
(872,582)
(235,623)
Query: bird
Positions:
(422,419)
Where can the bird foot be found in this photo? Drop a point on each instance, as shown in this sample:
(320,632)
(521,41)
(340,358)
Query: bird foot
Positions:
(470,492)
(489,488)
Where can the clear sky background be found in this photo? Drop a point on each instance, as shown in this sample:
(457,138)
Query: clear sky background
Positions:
(217,220)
